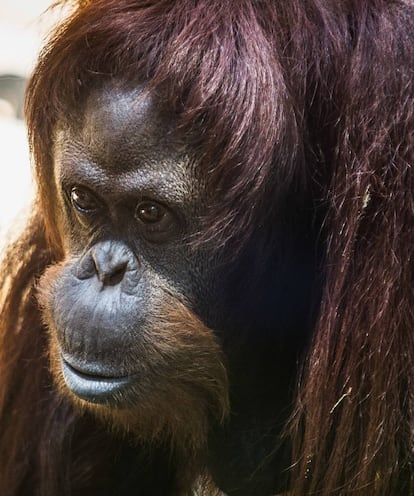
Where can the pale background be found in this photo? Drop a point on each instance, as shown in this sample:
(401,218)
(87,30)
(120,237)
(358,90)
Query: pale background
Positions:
(23,28)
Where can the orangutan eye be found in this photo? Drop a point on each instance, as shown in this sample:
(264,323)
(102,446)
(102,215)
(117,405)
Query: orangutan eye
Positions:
(83,200)
(150,213)
(157,223)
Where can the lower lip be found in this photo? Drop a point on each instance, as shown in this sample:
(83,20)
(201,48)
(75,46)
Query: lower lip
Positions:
(94,388)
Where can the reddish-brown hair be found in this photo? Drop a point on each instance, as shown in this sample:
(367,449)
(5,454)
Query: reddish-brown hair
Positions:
(292,97)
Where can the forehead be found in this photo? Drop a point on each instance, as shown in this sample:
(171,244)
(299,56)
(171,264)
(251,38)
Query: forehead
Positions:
(129,123)
(122,142)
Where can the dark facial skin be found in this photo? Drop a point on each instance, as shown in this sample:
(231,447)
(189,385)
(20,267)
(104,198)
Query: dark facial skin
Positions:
(127,157)
(130,197)
(127,189)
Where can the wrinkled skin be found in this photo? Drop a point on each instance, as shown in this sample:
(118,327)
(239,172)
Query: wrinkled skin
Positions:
(129,198)
(115,161)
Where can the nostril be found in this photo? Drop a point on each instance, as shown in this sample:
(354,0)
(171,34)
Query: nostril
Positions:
(109,262)
(115,276)
(86,268)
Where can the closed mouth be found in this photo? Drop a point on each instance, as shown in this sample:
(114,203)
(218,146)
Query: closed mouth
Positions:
(93,387)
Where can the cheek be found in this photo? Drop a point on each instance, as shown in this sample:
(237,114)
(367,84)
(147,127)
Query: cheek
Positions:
(133,359)
(89,321)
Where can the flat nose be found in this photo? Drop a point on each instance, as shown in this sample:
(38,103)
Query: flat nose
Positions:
(111,261)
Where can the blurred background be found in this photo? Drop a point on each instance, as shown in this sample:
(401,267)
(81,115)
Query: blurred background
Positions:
(24,24)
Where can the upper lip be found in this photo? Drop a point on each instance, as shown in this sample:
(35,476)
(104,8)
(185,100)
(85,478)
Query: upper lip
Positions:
(96,372)
(93,383)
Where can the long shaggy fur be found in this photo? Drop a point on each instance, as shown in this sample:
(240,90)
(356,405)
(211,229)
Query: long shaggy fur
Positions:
(292,98)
